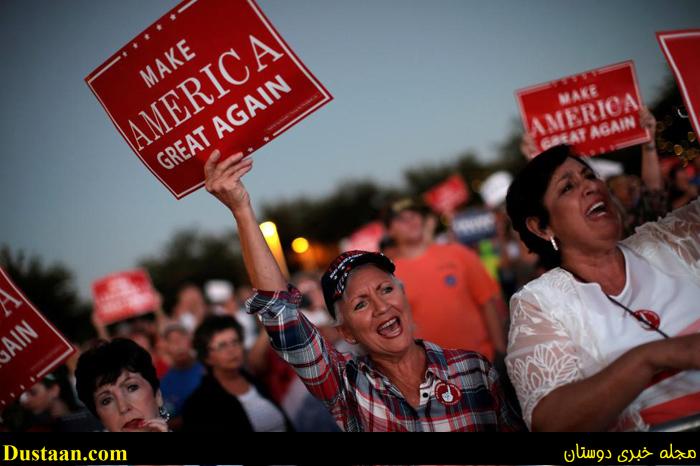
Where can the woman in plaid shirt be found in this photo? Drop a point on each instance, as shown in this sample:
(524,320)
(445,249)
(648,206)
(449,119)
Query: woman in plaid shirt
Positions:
(401,384)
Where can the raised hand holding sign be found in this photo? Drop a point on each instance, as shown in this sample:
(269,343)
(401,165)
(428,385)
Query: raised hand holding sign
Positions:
(209,74)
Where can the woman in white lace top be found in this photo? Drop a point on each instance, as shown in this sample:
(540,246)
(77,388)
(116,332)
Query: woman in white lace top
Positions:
(607,339)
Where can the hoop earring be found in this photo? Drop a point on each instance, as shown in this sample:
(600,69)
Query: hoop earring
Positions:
(164,414)
(554,243)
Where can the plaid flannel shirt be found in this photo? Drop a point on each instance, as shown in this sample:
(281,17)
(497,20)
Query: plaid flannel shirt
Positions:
(361,398)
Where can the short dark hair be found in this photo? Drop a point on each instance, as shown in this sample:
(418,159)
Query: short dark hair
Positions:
(525,199)
(105,362)
(210,327)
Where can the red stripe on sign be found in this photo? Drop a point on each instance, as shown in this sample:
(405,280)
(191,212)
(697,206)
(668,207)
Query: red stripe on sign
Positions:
(673,409)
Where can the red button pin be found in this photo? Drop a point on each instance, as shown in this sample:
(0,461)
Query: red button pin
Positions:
(650,319)
(447,394)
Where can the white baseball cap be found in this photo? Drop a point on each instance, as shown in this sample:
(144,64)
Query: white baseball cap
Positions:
(218,291)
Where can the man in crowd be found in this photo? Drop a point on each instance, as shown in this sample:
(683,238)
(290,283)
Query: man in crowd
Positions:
(454,301)
(185,373)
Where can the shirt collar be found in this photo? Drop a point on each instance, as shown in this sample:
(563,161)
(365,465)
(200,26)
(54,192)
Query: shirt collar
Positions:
(436,362)
(437,367)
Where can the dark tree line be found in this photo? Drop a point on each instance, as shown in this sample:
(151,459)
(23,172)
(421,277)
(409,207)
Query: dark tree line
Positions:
(51,289)
(193,256)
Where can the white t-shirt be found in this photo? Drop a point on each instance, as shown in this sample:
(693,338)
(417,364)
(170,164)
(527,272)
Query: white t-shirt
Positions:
(675,301)
(262,414)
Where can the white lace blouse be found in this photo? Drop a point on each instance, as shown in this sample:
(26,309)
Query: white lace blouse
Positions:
(550,344)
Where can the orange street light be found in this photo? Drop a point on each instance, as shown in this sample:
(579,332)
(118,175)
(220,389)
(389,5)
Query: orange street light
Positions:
(269,231)
(300,245)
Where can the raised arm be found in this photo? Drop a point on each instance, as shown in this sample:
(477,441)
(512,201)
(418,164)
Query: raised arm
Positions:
(294,338)
(651,170)
(528,146)
(223,180)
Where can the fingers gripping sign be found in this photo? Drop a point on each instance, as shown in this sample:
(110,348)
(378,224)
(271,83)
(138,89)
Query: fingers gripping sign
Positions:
(647,120)
(528,146)
(223,179)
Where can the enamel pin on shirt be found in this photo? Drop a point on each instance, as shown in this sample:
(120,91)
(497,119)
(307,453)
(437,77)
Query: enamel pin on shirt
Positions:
(447,393)
(650,319)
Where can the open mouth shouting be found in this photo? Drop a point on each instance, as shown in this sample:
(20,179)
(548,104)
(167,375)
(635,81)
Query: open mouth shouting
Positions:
(391,328)
(597,209)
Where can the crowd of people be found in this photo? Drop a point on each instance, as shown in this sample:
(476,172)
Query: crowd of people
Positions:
(588,321)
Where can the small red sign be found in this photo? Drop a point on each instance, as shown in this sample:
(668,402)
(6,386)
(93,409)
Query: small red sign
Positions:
(30,347)
(365,238)
(682,49)
(595,112)
(123,295)
(447,393)
(445,197)
(208,74)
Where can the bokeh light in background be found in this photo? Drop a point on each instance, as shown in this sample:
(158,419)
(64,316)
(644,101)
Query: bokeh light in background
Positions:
(300,245)
(269,231)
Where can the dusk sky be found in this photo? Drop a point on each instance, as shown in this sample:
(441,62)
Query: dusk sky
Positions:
(414,82)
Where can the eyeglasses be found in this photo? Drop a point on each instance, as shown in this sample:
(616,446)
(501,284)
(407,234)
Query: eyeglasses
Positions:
(225,345)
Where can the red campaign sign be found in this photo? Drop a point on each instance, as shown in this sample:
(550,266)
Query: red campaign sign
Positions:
(365,238)
(448,195)
(682,49)
(30,347)
(123,295)
(208,74)
(595,112)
